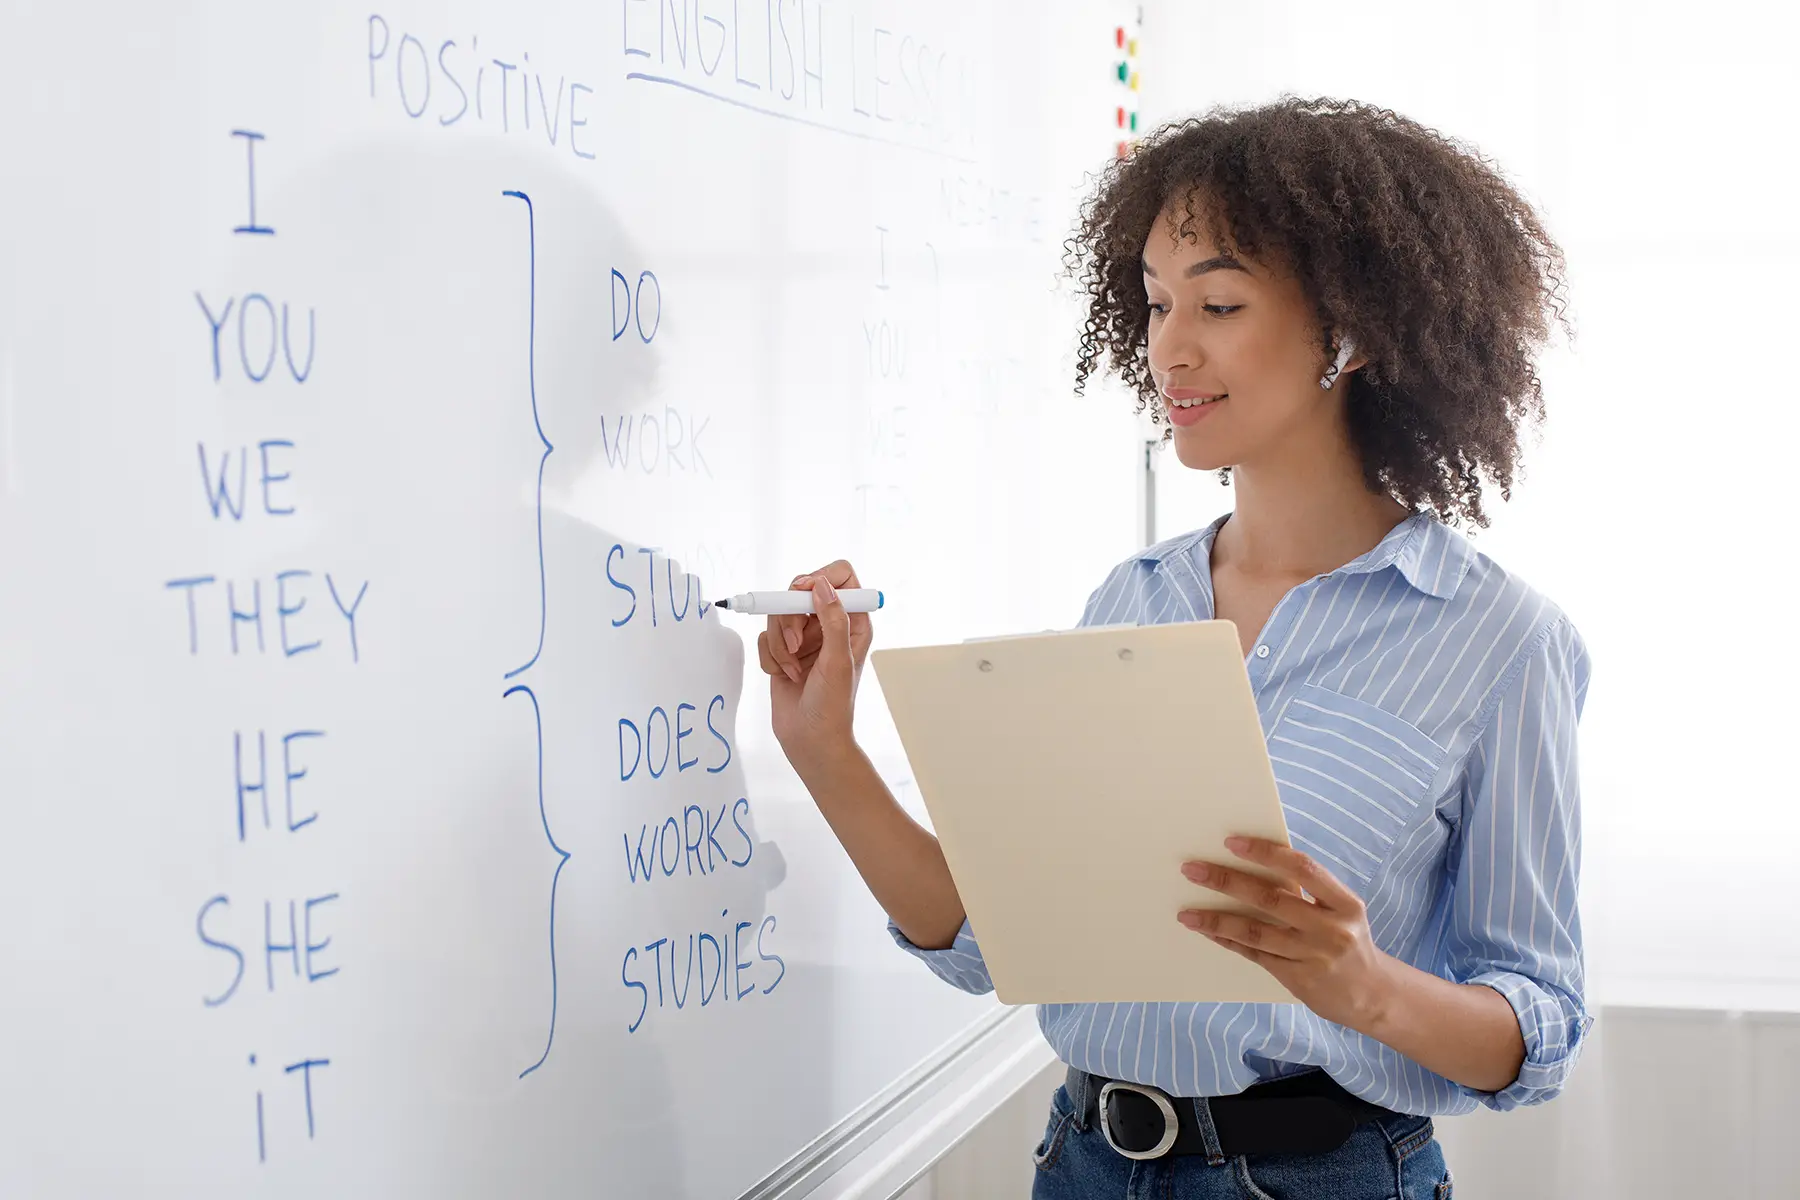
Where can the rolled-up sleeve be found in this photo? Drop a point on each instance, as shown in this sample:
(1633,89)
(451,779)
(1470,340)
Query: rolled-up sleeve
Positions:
(959,965)
(1515,923)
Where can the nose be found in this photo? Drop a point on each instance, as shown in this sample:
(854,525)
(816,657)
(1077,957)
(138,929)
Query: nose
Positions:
(1174,344)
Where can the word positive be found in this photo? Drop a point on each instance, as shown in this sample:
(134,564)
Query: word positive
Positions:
(460,85)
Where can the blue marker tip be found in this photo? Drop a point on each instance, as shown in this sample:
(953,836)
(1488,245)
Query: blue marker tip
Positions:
(880,599)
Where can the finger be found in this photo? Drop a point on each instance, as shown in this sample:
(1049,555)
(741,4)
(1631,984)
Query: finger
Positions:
(834,630)
(1300,869)
(1261,958)
(840,574)
(1269,896)
(862,634)
(774,644)
(765,654)
(784,637)
(1270,939)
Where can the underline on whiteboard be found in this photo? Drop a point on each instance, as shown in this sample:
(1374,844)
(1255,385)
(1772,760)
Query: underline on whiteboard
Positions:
(695,88)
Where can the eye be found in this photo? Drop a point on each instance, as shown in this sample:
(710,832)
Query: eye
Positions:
(1221,310)
(1158,309)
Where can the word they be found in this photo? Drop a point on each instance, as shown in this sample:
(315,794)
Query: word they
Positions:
(244,612)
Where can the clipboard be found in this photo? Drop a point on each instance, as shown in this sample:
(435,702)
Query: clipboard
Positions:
(1068,776)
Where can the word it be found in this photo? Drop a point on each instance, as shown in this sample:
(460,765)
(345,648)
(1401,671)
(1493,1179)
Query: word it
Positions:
(305,1067)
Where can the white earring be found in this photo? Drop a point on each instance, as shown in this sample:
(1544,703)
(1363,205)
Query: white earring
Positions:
(1346,348)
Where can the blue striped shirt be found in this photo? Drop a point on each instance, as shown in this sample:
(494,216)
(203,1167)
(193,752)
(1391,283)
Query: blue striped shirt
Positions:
(1420,707)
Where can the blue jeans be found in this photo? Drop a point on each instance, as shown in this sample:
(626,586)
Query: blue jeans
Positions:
(1390,1158)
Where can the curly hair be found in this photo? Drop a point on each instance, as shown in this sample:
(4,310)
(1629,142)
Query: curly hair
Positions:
(1408,241)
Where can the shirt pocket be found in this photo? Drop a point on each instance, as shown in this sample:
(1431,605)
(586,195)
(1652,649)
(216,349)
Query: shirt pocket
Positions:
(1353,778)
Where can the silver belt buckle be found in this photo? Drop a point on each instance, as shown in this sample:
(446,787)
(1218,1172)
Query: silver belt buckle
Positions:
(1171,1123)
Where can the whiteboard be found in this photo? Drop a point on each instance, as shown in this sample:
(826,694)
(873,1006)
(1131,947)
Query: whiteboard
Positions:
(384,396)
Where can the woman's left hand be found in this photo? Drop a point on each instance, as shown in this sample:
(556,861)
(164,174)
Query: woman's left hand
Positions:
(1320,948)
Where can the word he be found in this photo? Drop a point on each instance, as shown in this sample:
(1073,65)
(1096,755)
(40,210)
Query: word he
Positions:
(692,600)
(730,969)
(288,586)
(656,442)
(643,744)
(487,95)
(260,788)
(693,840)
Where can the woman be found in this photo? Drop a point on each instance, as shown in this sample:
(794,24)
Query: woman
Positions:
(1337,309)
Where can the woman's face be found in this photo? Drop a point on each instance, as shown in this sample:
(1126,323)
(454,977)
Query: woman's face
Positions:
(1234,350)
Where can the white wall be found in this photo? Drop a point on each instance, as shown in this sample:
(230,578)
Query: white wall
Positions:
(1657,141)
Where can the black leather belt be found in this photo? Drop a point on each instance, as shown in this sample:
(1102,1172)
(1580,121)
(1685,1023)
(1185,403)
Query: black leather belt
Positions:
(1309,1113)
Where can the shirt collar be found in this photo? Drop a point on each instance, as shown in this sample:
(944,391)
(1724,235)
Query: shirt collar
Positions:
(1429,555)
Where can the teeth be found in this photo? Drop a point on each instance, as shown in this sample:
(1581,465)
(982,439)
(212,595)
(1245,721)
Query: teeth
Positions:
(1194,402)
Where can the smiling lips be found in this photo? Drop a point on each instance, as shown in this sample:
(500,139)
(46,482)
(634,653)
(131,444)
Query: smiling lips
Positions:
(1187,405)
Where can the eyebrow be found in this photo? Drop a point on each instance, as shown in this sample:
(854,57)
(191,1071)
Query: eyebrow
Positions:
(1216,263)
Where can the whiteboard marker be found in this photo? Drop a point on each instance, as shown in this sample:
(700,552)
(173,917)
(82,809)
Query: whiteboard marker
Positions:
(793,603)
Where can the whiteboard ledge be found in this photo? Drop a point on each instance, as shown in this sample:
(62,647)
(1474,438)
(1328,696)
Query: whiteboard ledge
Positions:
(880,1150)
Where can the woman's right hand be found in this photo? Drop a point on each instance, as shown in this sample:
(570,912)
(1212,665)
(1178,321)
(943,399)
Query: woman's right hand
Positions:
(813,663)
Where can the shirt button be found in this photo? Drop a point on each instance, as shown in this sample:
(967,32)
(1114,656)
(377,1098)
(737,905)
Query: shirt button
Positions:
(1262,652)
